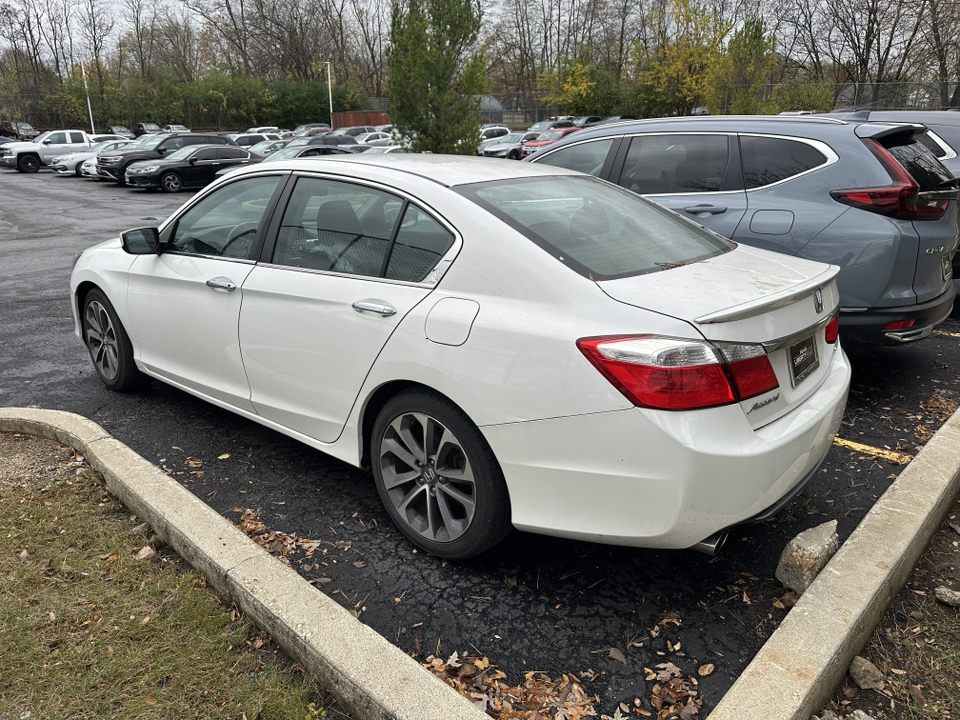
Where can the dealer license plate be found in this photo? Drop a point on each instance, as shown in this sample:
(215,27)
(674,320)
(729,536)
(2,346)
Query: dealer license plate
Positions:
(803,359)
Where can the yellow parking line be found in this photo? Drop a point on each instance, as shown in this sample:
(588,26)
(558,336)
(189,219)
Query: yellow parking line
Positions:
(948,334)
(894,457)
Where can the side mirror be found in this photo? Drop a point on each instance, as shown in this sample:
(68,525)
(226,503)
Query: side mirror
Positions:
(162,151)
(142,241)
(46,142)
(193,161)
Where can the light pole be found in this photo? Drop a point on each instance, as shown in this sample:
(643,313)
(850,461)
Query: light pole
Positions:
(329,91)
(87,91)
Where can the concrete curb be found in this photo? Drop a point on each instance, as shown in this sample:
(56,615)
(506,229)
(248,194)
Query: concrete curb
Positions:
(370,678)
(806,658)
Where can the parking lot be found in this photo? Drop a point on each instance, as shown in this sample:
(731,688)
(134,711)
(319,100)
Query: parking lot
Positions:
(533,603)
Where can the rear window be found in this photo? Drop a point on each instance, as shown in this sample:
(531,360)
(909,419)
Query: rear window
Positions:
(597,229)
(923,166)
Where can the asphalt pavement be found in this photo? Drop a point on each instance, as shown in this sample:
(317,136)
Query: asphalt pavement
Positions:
(533,603)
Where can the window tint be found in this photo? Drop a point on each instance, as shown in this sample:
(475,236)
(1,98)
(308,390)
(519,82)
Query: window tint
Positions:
(586,157)
(929,173)
(930,144)
(768,160)
(230,153)
(76,138)
(206,154)
(675,163)
(225,222)
(421,242)
(321,228)
(600,231)
(58,138)
(174,143)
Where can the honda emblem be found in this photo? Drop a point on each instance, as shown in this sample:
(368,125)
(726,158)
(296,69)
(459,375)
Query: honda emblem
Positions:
(818,301)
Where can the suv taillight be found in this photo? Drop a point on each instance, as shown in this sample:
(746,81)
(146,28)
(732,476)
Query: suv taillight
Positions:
(672,374)
(901,200)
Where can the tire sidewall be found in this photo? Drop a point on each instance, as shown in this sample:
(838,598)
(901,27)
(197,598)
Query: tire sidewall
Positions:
(28,164)
(163,182)
(128,375)
(491,519)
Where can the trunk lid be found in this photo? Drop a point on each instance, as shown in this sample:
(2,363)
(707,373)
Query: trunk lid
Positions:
(752,296)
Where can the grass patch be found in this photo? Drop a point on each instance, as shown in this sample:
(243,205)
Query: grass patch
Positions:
(89,630)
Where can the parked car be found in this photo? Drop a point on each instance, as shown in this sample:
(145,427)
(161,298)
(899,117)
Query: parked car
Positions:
(174,128)
(302,129)
(355,130)
(18,130)
(384,128)
(297,151)
(869,197)
(375,138)
(383,149)
(547,137)
(262,149)
(120,130)
(189,167)
(550,125)
(631,379)
(250,139)
(323,140)
(264,129)
(509,146)
(29,157)
(146,128)
(71,163)
(114,165)
(582,121)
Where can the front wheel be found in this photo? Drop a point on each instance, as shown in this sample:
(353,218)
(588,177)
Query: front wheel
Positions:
(110,348)
(171,182)
(513,155)
(438,477)
(28,163)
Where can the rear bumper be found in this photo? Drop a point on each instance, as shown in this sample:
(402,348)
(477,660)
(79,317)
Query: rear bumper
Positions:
(869,325)
(660,479)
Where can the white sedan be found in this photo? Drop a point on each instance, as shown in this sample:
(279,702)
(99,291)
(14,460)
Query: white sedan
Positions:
(71,164)
(504,344)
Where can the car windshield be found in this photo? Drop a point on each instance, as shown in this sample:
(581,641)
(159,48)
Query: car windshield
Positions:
(540,126)
(511,138)
(183,153)
(283,154)
(601,231)
(151,142)
(100,146)
(550,135)
(261,147)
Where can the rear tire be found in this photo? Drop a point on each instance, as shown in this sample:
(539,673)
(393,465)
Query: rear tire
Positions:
(28,163)
(437,476)
(109,346)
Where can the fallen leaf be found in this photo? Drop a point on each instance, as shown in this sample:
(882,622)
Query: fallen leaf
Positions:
(667,671)
(705,670)
(616,654)
(149,700)
(223,457)
(916,694)
(897,671)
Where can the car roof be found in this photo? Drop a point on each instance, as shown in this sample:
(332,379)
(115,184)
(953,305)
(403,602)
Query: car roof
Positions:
(447,170)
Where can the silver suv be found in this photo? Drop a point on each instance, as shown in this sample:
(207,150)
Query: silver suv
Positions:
(867,196)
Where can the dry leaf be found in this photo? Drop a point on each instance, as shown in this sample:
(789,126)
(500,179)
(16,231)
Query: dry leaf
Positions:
(916,694)
(705,670)
(223,457)
(149,700)
(616,654)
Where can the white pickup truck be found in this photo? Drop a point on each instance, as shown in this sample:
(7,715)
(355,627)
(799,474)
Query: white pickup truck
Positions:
(30,156)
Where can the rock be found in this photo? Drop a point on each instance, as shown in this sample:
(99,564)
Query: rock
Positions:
(865,674)
(859,715)
(806,555)
(146,553)
(947,596)
(826,715)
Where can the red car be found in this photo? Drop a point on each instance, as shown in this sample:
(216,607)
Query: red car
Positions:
(547,137)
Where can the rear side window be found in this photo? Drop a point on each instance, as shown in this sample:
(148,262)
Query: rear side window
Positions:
(586,157)
(768,160)
(923,166)
(675,163)
(930,144)
(600,231)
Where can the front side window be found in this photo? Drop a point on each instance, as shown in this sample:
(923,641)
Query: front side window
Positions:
(225,223)
(675,163)
(57,138)
(600,231)
(767,160)
(586,157)
(174,143)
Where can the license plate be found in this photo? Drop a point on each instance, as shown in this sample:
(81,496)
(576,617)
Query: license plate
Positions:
(946,267)
(803,359)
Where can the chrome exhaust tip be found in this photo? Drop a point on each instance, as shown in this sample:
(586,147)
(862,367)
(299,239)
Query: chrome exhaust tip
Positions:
(712,545)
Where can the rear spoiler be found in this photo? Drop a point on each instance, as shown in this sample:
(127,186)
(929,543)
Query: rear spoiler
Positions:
(879,129)
(772,302)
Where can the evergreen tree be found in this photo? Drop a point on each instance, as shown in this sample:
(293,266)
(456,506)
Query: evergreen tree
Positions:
(435,76)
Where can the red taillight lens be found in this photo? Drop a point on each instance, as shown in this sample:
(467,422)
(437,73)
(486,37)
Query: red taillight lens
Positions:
(900,325)
(832,330)
(900,200)
(673,374)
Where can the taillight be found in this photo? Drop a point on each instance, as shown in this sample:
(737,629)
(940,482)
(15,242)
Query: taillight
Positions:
(900,325)
(901,200)
(832,330)
(672,374)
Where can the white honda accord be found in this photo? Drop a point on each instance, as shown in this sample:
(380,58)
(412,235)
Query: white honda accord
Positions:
(504,344)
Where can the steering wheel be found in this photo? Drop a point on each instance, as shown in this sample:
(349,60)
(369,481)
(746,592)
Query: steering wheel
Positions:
(191,244)
(244,232)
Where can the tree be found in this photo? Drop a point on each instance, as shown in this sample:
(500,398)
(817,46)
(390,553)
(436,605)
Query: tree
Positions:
(435,76)
(736,80)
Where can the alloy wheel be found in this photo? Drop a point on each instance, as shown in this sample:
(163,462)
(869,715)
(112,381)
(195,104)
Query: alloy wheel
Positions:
(101,338)
(427,477)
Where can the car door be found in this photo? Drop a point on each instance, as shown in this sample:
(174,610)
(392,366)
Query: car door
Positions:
(201,168)
(55,144)
(187,298)
(697,175)
(342,275)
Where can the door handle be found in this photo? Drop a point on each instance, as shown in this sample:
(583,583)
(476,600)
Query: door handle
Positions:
(380,308)
(709,209)
(222,283)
